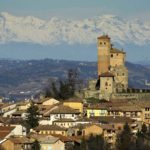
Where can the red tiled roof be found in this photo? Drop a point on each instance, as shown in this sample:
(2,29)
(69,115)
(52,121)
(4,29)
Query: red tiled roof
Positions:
(64,110)
(5,130)
(50,128)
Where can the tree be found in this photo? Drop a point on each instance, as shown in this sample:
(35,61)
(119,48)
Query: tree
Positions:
(32,117)
(96,143)
(124,139)
(36,145)
(84,145)
(144,129)
(63,89)
(93,143)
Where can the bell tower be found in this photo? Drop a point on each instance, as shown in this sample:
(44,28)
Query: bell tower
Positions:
(104,46)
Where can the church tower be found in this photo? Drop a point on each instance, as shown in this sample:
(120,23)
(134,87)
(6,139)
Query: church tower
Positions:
(104,46)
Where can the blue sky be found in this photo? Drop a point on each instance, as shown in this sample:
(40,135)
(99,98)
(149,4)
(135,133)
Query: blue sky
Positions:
(77,8)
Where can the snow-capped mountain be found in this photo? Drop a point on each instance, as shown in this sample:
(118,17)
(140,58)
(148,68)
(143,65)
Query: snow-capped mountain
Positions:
(55,31)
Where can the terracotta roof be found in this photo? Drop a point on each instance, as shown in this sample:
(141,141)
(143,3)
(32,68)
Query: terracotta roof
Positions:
(7,105)
(103,37)
(107,74)
(14,121)
(64,120)
(49,127)
(107,127)
(22,103)
(84,120)
(112,119)
(44,109)
(85,125)
(143,103)
(67,138)
(97,106)
(75,100)
(20,140)
(130,108)
(64,110)
(45,99)
(113,108)
(4,134)
(115,50)
(4,119)
(49,139)
(5,130)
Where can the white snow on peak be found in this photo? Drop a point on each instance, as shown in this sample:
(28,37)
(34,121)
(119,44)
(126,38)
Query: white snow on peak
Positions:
(56,30)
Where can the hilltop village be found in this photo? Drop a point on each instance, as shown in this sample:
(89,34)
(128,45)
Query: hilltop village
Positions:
(107,110)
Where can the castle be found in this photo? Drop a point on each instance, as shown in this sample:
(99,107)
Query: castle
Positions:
(112,79)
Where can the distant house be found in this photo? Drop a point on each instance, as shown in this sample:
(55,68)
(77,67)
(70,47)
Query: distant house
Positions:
(17,143)
(96,110)
(24,105)
(12,130)
(47,101)
(6,131)
(91,129)
(118,122)
(19,114)
(51,143)
(74,103)
(20,130)
(66,123)
(50,129)
(8,109)
(145,108)
(61,111)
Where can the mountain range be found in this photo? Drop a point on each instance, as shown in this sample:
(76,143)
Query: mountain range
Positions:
(20,78)
(56,30)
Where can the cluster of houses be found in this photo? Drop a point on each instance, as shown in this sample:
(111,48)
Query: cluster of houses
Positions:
(64,124)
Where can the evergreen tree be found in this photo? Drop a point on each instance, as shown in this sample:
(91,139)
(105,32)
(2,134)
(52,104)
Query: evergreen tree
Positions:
(124,139)
(148,131)
(96,143)
(144,129)
(36,145)
(83,145)
(64,89)
(32,117)
(55,91)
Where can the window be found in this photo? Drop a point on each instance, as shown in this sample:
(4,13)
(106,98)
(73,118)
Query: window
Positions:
(111,55)
(104,43)
(147,109)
